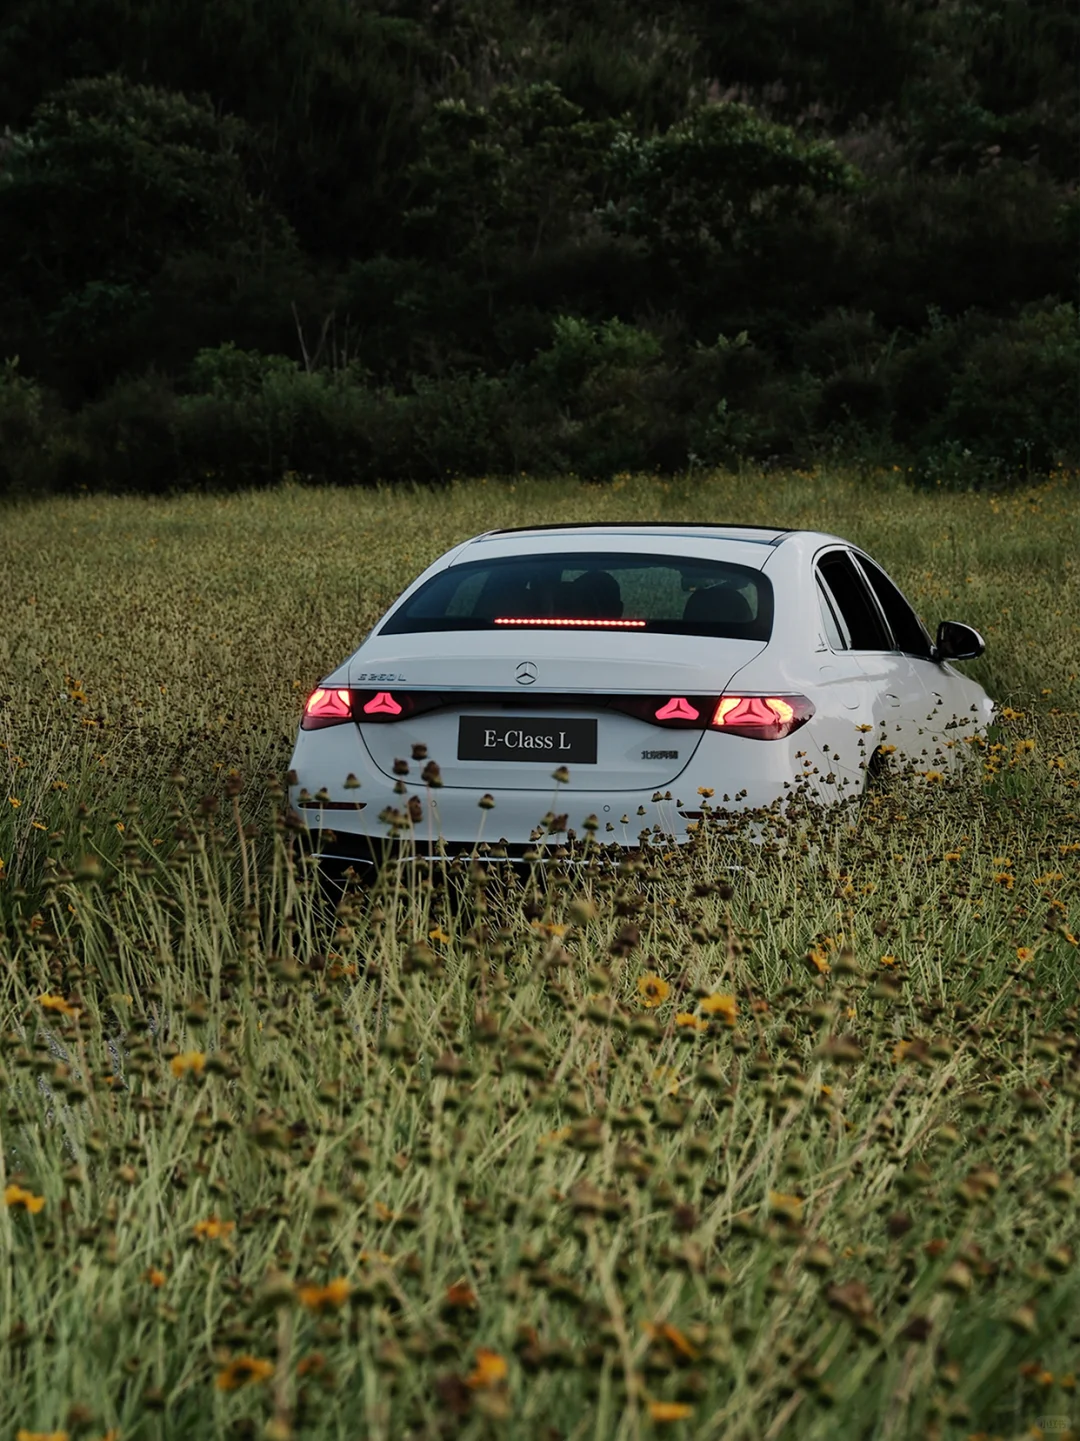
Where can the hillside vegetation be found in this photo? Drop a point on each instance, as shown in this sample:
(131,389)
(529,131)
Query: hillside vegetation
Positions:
(362,240)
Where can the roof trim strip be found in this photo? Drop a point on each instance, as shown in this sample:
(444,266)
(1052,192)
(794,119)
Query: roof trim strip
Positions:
(777,532)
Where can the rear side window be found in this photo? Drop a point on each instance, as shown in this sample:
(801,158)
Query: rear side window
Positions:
(830,620)
(603,590)
(861,618)
(907,629)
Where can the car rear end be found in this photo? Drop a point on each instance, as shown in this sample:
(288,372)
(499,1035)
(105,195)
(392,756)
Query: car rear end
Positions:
(532,691)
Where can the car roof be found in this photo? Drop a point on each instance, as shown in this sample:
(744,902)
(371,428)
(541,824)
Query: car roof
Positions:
(756,534)
(751,545)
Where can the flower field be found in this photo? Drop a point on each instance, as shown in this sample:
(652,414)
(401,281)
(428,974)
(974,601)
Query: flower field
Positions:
(748,1141)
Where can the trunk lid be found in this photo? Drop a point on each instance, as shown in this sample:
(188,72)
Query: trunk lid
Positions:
(502,698)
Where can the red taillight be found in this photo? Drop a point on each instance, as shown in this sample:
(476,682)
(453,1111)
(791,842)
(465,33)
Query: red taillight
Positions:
(678,708)
(382,703)
(383,707)
(763,718)
(326,708)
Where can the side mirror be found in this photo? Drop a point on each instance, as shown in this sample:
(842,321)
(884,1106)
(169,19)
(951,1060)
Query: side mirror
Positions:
(958,642)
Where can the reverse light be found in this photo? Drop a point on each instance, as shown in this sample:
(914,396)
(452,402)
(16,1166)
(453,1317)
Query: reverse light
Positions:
(763,718)
(382,703)
(678,708)
(326,708)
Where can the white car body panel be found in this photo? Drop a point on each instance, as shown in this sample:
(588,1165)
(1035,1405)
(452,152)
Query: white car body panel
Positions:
(861,699)
(587,662)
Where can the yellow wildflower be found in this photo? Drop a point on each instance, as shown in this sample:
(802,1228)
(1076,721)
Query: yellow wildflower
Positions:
(19,1196)
(691,1023)
(664,1411)
(815,959)
(57,1003)
(718,1004)
(193,1061)
(213,1229)
(785,1207)
(665,1331)
(243,1371)
(490,1370)
(652,989)
(330,1297)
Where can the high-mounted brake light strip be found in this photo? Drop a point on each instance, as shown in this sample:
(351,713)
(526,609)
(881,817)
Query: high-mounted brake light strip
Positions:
(588,624)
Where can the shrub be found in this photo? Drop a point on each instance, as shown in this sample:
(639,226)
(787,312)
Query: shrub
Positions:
(1010,405)
(127,440)
(27,453)
(1016,394)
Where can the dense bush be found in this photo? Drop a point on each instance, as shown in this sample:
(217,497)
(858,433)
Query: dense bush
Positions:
(27,421)
(973,402)
(487,236)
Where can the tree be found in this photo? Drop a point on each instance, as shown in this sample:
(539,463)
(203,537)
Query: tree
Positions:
(327,88)
(718,182)
(124,213)
(510,178)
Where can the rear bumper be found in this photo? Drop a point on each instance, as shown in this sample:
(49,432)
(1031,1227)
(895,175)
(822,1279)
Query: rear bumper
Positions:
(756,776)
(456,819)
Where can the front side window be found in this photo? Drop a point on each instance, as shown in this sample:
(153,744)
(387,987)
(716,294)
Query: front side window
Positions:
(602,590)
(859,614)
(908,631)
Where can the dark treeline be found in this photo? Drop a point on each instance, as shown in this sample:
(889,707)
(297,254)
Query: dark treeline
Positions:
(349,240)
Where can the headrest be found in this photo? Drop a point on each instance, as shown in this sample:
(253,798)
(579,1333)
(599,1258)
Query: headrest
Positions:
(718,605)
(595,595)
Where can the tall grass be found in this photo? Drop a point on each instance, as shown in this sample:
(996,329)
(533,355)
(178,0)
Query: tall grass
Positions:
(646,1145)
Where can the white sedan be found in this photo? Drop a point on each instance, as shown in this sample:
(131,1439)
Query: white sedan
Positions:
(536,684)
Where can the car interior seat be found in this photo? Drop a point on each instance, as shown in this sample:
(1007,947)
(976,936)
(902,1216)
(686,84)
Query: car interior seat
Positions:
(594,595)
(718,605)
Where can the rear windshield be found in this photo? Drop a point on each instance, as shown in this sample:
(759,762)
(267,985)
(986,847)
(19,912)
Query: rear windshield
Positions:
(606,590)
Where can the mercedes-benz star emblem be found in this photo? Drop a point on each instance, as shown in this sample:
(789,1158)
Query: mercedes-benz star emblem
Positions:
(526,673)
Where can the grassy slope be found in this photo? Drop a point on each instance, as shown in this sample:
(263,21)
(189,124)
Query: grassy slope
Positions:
(842,1203)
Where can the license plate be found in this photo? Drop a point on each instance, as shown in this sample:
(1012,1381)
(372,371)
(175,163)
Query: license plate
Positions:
(531,738)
